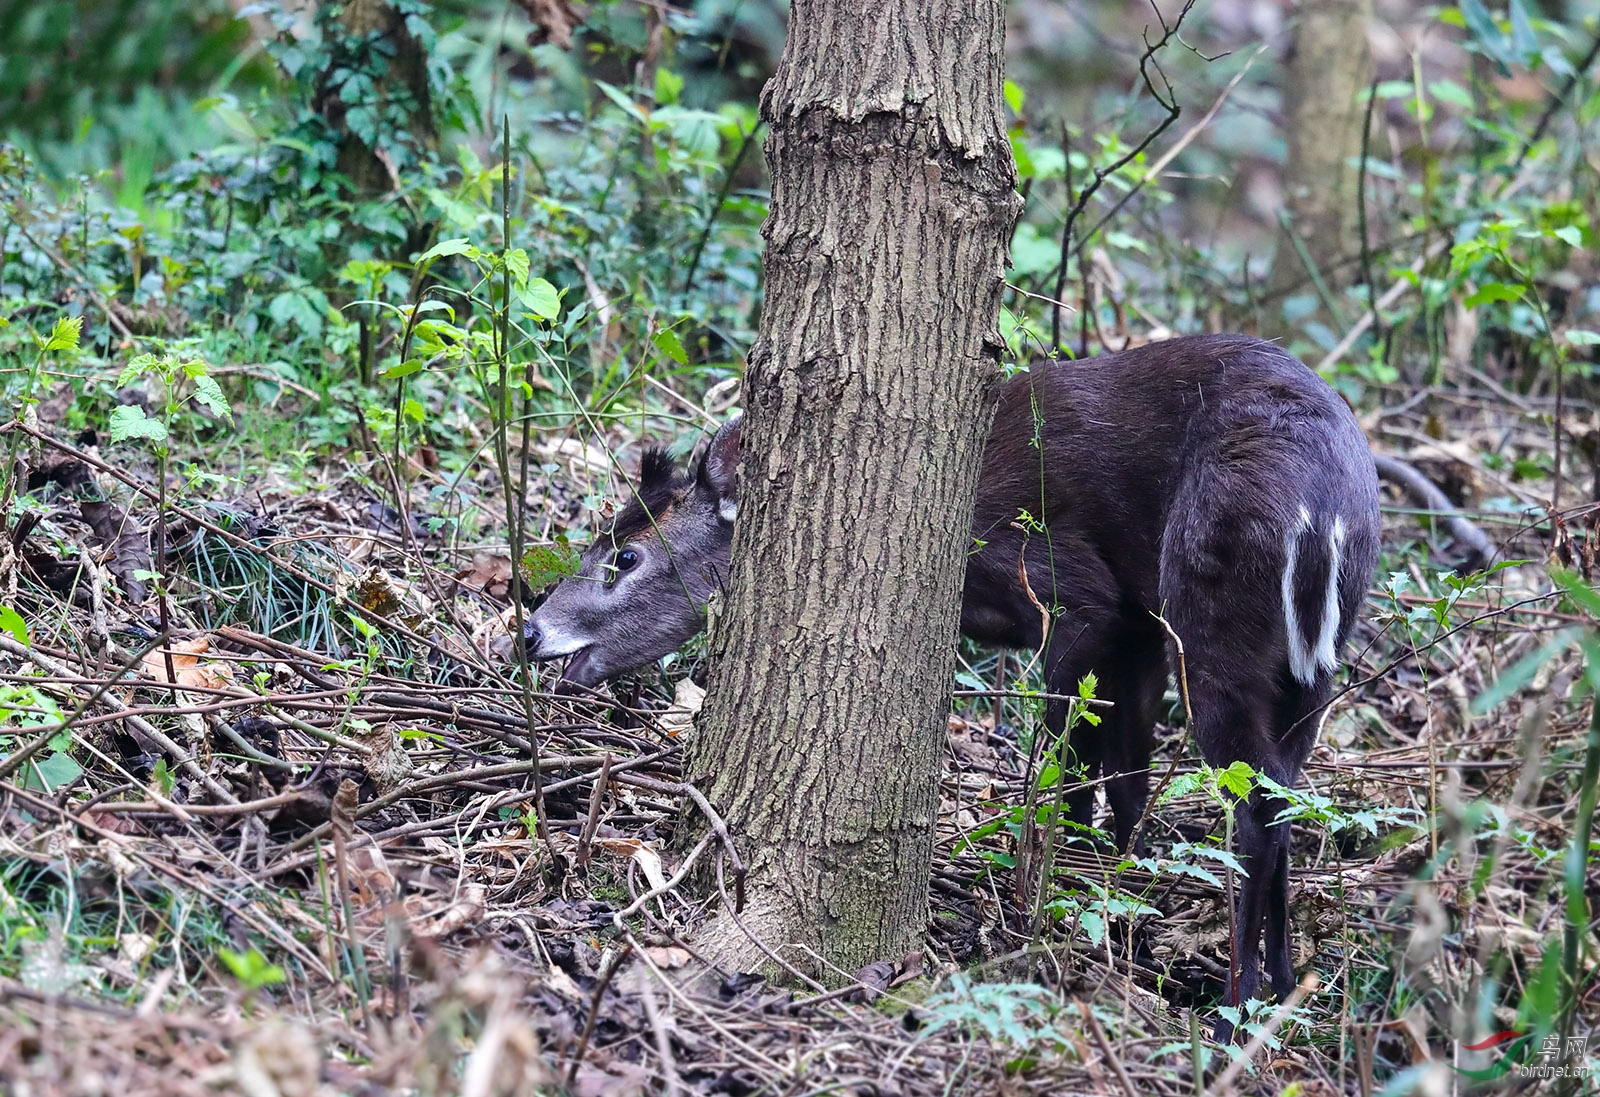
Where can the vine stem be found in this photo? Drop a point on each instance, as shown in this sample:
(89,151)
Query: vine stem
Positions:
(516,491)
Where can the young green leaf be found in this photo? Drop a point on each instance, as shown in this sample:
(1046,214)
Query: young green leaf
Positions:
(137,367)
(53,772)
(458,246)
(209,393)
(64,336)
(517,264)
(669,85)
(1237,779)
(541,299)
(1015,96)
(623,101)
(1493,291)
(1569,234)
(12,622)
(130,421)
(666,340)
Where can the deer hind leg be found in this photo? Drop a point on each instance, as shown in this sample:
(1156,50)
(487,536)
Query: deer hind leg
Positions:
(1280,965)
(1298,721)
(1138,678)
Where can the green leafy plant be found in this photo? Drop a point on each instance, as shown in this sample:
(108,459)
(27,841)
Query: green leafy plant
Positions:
(251,968)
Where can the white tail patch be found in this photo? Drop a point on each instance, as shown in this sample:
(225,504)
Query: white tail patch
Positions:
(1311,649)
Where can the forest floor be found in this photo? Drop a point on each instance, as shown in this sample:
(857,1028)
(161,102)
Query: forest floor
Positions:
(338,889)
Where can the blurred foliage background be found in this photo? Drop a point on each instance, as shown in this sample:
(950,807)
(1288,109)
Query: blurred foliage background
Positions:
(154,124)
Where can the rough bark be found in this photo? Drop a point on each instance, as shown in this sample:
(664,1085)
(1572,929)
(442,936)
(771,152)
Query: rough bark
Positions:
(868,399)
(1328,73)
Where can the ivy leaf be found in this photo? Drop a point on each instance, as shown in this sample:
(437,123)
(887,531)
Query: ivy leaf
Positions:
(541,299)
(53,772)
(130,421)
(12,622)
(666,340)
(517,264)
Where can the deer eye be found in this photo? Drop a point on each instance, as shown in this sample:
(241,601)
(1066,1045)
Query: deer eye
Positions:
(626,559)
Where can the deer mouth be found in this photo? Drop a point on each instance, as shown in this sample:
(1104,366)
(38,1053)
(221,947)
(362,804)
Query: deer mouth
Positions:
(580,670)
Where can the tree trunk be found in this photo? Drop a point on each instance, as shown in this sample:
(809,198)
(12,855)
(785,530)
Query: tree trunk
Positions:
(395,106)
(1329,73)
(868,400)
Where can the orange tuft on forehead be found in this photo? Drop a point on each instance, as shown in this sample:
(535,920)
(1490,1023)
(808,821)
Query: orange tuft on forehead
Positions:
(661,487)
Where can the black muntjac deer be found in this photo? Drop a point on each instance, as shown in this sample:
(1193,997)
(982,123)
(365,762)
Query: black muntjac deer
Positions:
(1214,481)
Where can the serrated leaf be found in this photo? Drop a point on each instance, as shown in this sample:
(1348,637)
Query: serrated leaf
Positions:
(137,367)
(65,335)
(1237,779)
(459,246)
(669,85)
(666,340)
(208,393)
(540,298)
(1094,925)
(12,622)
(130,421)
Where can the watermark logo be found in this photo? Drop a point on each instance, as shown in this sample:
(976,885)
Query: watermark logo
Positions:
(1517,1057)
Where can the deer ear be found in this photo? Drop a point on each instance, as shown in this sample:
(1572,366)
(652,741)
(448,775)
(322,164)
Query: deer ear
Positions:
(719,469)
(655,469)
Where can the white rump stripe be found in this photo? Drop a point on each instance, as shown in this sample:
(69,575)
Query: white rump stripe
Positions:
(1307,658)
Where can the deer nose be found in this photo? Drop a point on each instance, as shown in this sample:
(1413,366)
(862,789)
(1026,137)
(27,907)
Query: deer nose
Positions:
(530,638)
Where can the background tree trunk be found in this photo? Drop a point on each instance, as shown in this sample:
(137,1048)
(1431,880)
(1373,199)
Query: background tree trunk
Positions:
(1328,75)
(868,399)
(397,101)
